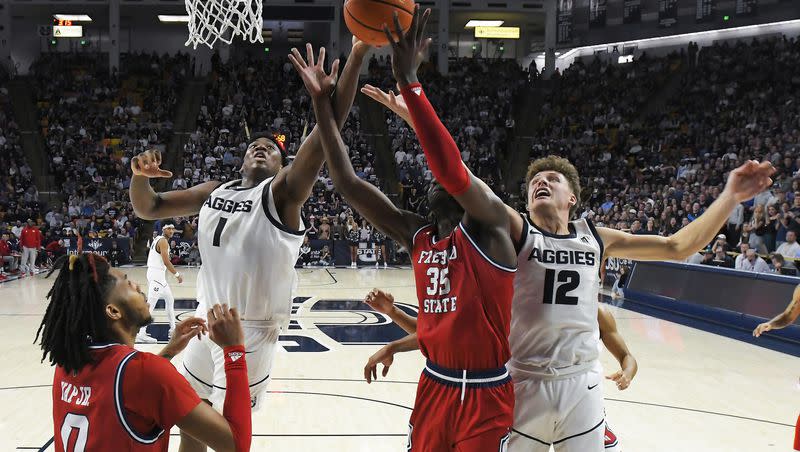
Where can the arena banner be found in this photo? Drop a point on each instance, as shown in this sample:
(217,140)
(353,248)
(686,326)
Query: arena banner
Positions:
(564,21)
(366,252)
(705,10)
(100,246)
(614,268)
(667,13)
(632,12)
(597,13)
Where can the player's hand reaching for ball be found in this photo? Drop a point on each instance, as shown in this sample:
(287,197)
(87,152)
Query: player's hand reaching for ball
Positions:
(317,82)
(184,332)
(408,52)
(762,328)
(749,180)
(148,164)
(360,48)
(390,100)
(383,356)
(380,301)
(224,326)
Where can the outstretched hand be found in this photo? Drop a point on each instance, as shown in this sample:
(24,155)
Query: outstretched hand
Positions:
(148,164)
(390,100)
(408,51)
(749,180)
(318,83)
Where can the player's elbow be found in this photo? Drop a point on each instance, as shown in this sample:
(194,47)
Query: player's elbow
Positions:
(145,210)
(676,250)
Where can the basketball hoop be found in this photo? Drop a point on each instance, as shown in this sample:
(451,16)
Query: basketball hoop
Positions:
(223,20)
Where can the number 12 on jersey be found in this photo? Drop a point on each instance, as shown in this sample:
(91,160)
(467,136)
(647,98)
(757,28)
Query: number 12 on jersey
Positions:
(568,281)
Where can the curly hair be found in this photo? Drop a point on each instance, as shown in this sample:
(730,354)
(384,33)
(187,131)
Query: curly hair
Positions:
(75,315)
(559,165)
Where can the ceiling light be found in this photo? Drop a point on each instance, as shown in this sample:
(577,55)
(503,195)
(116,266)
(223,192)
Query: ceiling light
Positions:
(483,23)
(170,18)
(73,17)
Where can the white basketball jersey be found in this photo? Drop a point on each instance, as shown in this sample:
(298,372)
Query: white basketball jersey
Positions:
(554,330)
(156,270)
(248,255)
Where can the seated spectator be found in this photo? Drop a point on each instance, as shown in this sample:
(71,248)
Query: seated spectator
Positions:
(6,255)
(708,257)
(752,262)
(779,267)
(325,258)
(743,248)
(721,258)
(790,249)
(304,258)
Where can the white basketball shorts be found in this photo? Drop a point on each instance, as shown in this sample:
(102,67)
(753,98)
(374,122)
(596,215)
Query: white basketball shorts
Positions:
(566,413)
(204,365)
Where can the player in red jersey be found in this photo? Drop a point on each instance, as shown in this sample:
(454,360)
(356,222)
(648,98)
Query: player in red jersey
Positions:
(108,396)
(782,320)
(463,260)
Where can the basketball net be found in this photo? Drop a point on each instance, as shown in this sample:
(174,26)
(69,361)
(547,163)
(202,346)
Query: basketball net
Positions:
(223,20)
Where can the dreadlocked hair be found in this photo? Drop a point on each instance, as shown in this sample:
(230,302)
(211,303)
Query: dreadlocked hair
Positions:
(75,316)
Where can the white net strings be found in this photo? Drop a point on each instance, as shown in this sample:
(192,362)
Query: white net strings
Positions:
(223,20)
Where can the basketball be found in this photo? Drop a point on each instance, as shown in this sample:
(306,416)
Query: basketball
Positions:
(365,18)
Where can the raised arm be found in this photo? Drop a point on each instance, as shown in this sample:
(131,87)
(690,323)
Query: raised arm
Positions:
(360,194)
(485,213)
(295,182)
(616,345)
(784,319)
(398,105)
(150,205)
(743,183)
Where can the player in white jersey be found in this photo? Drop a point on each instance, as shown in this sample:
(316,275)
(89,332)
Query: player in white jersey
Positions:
(249,235)
(157,288)
(554,331)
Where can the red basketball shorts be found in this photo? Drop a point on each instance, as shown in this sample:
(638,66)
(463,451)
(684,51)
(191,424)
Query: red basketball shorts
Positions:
(462,411)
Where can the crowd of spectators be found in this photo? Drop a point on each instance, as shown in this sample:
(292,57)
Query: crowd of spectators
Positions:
(655,174)
(651,161)
(93,121)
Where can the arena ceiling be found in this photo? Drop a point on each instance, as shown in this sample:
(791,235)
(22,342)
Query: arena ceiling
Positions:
(524,14)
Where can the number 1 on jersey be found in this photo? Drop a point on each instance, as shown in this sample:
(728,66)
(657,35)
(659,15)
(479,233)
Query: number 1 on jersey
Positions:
(218,231)
(569,280)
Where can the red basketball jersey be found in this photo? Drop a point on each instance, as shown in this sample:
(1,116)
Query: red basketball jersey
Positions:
(464,302)
(126,401)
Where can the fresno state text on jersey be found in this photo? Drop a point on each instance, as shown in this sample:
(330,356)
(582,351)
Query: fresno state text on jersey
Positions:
(464,301)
